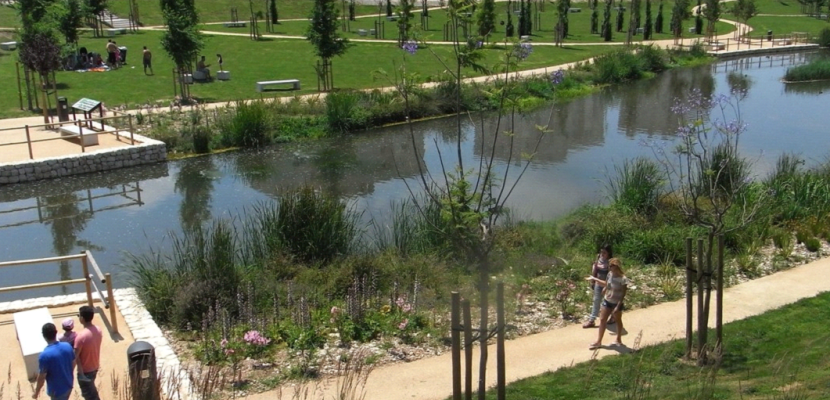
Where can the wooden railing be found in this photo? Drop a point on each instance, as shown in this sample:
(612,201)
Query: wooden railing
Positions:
(761,41)
(85,127)
(87,262)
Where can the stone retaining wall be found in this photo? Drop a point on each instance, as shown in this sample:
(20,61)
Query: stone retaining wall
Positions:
(147,152)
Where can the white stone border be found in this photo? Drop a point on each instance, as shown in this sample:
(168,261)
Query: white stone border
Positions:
(141,325)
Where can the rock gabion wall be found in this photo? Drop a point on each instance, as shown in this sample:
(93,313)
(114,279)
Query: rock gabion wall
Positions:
(147,152)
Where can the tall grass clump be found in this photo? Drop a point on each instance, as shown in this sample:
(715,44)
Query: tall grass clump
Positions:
(732,172)
(653,58)
(416,228)
(617,66)
(249,125)
(315,227)
(344,111)
(637,185)
(818,69)
(797,194)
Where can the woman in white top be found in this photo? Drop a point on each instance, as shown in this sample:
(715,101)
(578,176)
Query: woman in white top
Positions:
(616,287)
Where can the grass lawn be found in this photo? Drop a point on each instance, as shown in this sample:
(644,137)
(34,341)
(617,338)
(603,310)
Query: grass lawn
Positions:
(786,25)
(220,10)
(8,17)
(782,354)
(778,7)
(250,62)
(579,26)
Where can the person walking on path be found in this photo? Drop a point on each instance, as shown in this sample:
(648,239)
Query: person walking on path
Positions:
(88,352)
(616,287)
(55,364)
(148,61)
(599,270)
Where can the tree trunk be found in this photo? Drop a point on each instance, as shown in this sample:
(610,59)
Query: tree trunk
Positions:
(484,300)
(44,108)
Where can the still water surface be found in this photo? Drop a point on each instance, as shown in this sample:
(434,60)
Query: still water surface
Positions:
(134,210)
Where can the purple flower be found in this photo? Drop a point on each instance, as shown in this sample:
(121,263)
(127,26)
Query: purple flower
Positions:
(522,51)
(410,46)
(557,77)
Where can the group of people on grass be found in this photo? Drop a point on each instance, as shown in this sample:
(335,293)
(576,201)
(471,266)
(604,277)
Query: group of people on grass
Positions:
(609,285)
(70,352)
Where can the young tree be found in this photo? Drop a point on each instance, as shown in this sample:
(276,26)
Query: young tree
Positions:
(352,11)
(70,20)
(744,10)
(275,15)
(509,29)
(324,35)
(594,18)
(712,13)
(698,19)
(606,22)
(94,9)
(678,14)
(487,18)
(405,21)
(562,21)
(40,52)
(635,14)
(182,40)
(620,18)
(388,8)
(648,25)
(658,22)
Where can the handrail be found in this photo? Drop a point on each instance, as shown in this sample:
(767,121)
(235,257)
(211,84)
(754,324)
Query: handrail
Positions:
(88,281)
(39,260)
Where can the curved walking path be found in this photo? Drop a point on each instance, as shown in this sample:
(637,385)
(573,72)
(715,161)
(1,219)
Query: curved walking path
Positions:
(431,378)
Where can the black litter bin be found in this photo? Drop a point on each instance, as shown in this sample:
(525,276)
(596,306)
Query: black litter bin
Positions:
(63,109)
(769,36)
(123,51)
(141,357)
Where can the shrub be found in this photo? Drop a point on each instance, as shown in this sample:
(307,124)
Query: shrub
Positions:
(801,236)
(660,245)
(313,226)
(812,244)
(201,139)
(823,39)
(818,69)
(653,58)
(637,185)
(344,112)
(617,66)
(249,126)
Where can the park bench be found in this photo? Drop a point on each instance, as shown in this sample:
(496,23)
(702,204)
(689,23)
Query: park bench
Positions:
(8,46)
(574,10)
(782,42)
(237,24)
(89,138)
(28,325)
(116,31)
(716,46)
(362,32)
(260,86)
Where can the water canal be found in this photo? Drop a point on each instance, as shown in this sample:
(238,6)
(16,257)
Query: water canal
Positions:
(134,210)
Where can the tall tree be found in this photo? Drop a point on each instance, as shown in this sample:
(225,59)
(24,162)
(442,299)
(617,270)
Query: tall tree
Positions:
(509,29)
(635,14)
(71,18)
(388,8)
(620,17)
(94,9)
(487,18)
(324,35)
(744,10)
(698,19)
(562,21)
(40,52)
(658,22)
(594,18)
(648,26)
(182,40)
(712,13)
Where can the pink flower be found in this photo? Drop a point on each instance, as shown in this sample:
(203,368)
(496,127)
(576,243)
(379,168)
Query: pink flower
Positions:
(224,343)
(406,308)
(403,324)
(255,338)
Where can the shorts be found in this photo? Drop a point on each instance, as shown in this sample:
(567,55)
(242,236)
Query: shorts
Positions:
(147,64)
(608,304)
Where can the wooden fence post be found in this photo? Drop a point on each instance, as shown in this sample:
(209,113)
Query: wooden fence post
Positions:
(501,381)
(111,299)
(456,346)
(719,304)
(468,349)
(701,323)
(689,305)
(88,282)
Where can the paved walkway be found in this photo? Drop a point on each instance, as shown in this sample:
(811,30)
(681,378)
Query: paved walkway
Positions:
(431,379)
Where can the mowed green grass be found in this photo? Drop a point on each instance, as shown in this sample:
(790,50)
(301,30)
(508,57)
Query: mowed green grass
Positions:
(9,17)
(786,25)
(781,354)
(579,26)
(220,10)
(252,61)
(777,7)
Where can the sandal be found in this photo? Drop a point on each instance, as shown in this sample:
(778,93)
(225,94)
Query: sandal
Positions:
(594,346)
(589,324)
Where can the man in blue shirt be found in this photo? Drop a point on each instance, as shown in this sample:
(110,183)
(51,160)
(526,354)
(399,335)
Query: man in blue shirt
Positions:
(55,363)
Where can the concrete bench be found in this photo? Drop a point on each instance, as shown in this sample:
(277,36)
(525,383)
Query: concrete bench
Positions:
(782,42)
(392,18)
(8,46)
(28,326)
(260,86)
(89,138)
(116,31)
(235,24)
(362,32)
(692,29)
(574,10)
(524,38)
(716,46)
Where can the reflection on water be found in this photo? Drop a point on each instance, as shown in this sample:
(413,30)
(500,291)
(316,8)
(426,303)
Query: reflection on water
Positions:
(133,210)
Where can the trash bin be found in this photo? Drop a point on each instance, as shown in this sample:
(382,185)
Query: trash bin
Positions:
(123,54)
(141,359)
(63,109)
(769,35)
